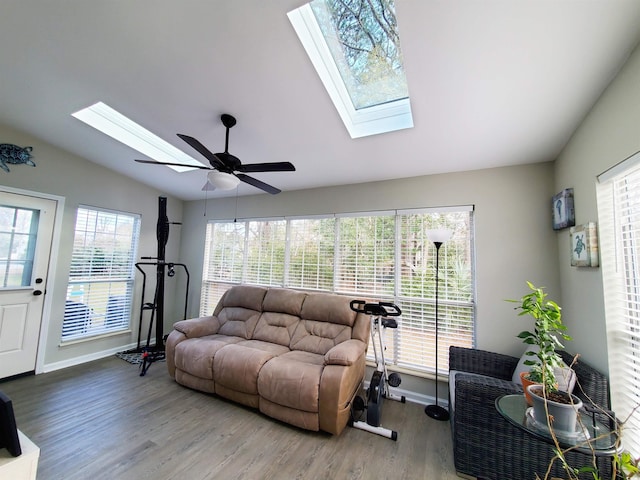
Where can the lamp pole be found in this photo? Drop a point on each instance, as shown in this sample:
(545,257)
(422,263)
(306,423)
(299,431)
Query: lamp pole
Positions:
(438,237)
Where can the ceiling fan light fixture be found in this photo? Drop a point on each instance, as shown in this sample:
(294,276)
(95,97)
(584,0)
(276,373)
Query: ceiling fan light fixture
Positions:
(222,181)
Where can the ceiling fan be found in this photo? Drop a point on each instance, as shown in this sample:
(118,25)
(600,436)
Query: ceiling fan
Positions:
(226,169)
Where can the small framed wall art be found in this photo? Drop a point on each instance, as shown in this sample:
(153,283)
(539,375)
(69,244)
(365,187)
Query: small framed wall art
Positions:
(563,212)
(584,245)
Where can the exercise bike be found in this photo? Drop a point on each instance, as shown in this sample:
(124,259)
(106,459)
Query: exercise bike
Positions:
(380,382)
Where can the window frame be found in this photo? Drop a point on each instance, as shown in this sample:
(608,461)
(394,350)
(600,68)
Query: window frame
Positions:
(619,230)
(377,119)
(454,313)
(111,274)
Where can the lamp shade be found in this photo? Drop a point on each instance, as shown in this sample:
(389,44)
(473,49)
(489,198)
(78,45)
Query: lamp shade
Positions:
(439,235)
(223,181)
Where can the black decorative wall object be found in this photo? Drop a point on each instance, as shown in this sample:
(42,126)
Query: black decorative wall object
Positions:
(563,210)
(14,155)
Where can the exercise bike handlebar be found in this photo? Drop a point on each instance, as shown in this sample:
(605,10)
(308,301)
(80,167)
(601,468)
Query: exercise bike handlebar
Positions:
(380,309)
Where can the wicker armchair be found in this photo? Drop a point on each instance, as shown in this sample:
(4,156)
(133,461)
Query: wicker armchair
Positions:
(488,447)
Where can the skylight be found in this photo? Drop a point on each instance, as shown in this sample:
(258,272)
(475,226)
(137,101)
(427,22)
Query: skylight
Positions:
(355,48)
(110,122)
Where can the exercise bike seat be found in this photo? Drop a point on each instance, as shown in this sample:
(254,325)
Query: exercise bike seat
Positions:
(380,309)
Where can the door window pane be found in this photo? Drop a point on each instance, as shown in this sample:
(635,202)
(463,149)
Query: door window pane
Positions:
(18,233)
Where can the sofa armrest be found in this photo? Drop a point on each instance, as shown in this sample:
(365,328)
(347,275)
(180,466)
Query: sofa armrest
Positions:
(482,362)
(198,327)
(345,353)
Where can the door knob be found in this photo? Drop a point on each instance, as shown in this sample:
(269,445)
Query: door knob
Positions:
(37,292)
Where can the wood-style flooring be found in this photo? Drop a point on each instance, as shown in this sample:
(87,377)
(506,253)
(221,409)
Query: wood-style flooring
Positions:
(101,420)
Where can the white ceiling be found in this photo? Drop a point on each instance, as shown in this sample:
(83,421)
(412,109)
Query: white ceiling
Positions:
(492,83)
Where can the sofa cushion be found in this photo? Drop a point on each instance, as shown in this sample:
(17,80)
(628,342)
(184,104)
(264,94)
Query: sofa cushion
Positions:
(238,322)
(292,380)
(270,347)
(318,337)
(329,308)
(239,310)
(237,367)
(245,296)
(195,355)
(276,328)
(282,300)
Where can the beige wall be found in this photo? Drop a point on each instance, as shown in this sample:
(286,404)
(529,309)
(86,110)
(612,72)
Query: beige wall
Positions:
(514,238)
(609,134)
(78,181)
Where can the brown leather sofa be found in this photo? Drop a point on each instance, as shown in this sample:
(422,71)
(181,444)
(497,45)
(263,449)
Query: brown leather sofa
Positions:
(297,357)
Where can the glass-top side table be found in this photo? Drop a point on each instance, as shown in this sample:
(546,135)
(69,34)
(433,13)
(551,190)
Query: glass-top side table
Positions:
(590,433)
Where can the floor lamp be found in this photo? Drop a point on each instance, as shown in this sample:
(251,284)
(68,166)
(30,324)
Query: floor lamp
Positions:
(438,237)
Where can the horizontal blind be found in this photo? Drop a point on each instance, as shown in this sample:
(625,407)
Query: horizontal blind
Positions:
(619,216)
(223,262)
(375,256)
(311,247)
(265,252)
(366,255)
(100,288)
(417,287)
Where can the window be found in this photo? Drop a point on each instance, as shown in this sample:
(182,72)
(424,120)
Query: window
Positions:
(311,253)
(18,229)
(265,252)
(619,217)
(385,256)
(111,122)
(99,293)
(355,49)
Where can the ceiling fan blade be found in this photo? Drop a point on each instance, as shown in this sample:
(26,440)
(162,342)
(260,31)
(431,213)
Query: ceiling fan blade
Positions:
(153,162)
(202,150)
(257,183)
(267,167)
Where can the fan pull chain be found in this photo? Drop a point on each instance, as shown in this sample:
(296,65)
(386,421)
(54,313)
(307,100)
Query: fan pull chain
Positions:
(235,219)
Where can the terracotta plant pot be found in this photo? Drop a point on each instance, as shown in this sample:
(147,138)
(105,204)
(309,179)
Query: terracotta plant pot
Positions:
(525,383)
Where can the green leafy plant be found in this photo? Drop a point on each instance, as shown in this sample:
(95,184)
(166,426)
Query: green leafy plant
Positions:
(548,331)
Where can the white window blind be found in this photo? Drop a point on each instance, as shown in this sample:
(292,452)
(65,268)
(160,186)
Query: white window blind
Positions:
(619,217)
(366,255)
(223,262)
(416,287)
(311,253)
(100,288)
(375,256)
(265,252)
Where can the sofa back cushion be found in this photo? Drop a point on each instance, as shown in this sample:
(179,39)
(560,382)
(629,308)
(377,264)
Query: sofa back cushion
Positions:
(280,317)
(326,320)
(239,310)
(283,300)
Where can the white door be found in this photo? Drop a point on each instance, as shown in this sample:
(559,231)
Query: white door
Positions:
(26,230)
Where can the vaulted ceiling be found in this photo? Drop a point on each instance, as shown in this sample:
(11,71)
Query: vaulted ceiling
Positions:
(491,82)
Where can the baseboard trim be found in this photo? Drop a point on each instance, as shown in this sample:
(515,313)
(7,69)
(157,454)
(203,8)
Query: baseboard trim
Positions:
(71,362)
(414,397)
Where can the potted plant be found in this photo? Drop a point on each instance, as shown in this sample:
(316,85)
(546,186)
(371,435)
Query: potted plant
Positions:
(546,336)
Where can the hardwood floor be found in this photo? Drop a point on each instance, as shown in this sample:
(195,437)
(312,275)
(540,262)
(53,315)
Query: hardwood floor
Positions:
(101,420)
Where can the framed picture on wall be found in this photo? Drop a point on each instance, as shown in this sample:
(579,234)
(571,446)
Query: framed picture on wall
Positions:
(584,245)
(563,212)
